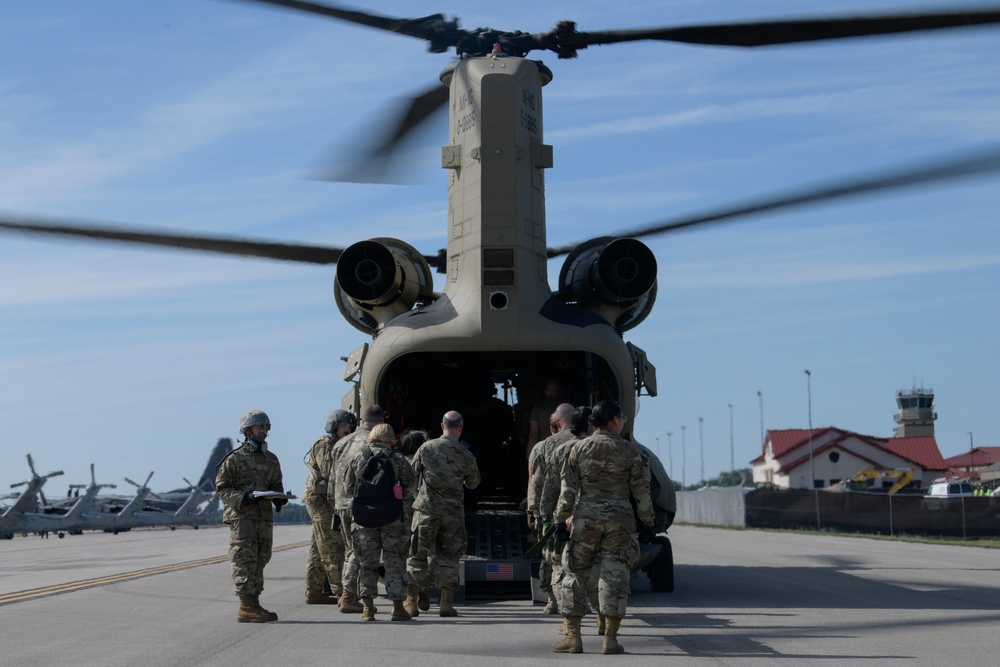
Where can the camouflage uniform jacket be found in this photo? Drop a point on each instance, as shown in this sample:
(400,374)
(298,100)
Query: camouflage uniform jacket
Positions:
(600,475)
(552,484)
(244,471)
(400,466)
(319,461)
(538,469)
(343,453)
(442,467)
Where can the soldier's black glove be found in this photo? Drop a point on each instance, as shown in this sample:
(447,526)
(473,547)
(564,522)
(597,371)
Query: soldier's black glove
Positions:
(561,533)
(646,533)
(279,503)
(248,497)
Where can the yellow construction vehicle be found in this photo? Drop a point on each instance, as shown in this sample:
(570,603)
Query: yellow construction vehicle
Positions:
(868,475)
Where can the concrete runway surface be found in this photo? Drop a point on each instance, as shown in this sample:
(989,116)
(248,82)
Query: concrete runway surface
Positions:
(743,598)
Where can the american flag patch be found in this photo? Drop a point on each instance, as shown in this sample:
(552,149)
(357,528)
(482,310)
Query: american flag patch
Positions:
(500,571)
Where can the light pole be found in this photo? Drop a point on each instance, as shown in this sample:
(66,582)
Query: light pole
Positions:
(701,448)
(812,465)
(670,452)
(760,400)
(732,451)
(684,479)
(972,456)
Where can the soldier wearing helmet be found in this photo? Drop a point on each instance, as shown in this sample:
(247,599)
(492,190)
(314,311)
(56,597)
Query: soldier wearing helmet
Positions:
(326,552)
(248,469)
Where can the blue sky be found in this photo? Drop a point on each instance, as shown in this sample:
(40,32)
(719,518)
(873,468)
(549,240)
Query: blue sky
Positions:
(202,115)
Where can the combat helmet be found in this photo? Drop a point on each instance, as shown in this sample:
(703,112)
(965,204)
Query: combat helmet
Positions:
(254,418)
(338,417)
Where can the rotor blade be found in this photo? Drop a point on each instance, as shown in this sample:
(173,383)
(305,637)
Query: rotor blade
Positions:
(374,163)
(768,33)
(422,28)
(288,252)
(949,169)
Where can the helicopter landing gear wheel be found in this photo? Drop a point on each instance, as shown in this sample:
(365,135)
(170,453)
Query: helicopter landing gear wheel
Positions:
(661,570)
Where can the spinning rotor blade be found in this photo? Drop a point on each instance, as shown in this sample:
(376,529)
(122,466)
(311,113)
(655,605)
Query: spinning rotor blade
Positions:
(432,28)
(287,252)
(770,33)
(374,163)
(940,171)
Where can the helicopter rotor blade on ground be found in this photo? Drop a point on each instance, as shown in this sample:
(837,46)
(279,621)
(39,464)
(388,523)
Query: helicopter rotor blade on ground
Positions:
(288,252)
(965,166)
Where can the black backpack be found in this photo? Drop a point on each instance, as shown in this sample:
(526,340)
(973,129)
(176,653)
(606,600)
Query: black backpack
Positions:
(375,503)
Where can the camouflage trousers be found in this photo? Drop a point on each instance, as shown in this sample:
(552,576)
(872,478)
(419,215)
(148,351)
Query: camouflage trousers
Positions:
(326,551)
(437,543)
(605,545)
(391,542)
(553,557)
(349,573)
(250,543)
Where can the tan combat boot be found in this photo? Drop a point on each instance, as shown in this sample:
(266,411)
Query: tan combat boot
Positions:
(571,643)
(271,616)
(412,604)
(349,603)
(249,613)
(601,623)
(445,607)
(314,597)
(611,645)
(552,606)
(368,609)
(399,612)
(424,599)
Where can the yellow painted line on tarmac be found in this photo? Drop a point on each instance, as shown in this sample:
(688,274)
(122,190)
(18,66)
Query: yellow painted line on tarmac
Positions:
(59,589)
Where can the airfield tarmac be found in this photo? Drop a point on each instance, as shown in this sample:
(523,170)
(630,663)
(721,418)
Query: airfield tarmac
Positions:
(156,597)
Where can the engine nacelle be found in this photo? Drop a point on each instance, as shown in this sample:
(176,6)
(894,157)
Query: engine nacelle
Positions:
(380,279)
(615,278)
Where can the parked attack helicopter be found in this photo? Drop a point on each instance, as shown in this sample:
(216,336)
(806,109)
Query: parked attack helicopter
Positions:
(11,520)
(498,329)
(71,521)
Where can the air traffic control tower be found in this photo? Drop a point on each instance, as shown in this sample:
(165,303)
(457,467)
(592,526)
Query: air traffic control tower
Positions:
(916,412)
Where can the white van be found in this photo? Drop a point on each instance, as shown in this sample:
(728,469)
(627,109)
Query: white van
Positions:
(950,490)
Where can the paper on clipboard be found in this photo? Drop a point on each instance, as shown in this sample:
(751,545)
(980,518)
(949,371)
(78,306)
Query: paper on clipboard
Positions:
(274,494)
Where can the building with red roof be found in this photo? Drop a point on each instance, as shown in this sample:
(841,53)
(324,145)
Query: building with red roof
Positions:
(800,459)
(791,459)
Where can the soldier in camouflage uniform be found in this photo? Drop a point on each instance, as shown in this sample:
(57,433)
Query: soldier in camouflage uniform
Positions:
(599,477)
(392,540)
(343,453)
(541,454)
(326,552)
(551,486)
(250,468)
(442,467)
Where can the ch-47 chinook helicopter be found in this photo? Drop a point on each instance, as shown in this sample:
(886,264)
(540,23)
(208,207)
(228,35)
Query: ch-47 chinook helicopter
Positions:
(498,329)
